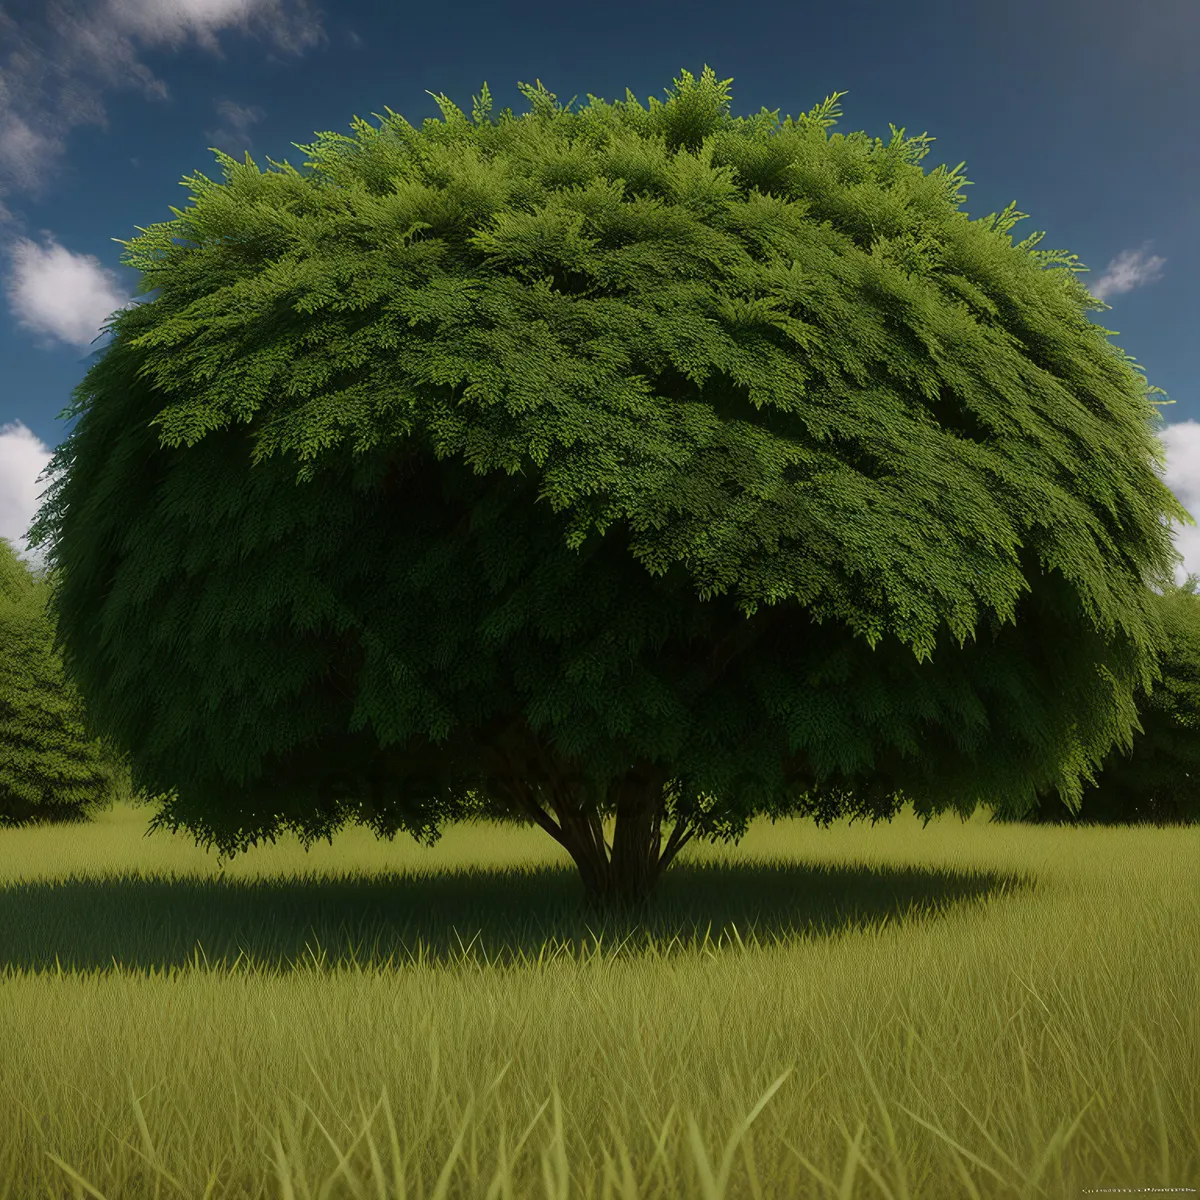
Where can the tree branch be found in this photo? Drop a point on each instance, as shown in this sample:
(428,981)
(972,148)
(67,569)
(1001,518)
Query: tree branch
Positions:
(675,843)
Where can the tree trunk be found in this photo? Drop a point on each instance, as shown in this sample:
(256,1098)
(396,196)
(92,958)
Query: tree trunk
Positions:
(623,878)
(617,880)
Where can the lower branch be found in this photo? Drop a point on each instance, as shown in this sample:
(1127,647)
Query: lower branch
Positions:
(675,843)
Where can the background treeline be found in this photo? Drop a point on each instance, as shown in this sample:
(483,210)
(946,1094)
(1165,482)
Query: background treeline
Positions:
(1159,781)
(53,772)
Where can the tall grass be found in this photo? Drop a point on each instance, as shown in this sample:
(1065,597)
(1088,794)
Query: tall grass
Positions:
(967,1010)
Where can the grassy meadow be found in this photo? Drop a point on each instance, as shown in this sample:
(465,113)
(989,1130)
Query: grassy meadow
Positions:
(967,1010)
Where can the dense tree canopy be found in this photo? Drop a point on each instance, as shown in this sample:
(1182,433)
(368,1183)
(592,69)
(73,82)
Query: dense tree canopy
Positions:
(650,463)
(50,770)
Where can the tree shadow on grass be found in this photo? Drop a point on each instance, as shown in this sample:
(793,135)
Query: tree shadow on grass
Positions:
(502,916)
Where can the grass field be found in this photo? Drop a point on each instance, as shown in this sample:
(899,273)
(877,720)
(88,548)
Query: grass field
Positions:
(967,1010)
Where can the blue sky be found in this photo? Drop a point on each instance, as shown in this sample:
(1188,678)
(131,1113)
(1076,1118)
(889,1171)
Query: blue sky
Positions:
(1081,111)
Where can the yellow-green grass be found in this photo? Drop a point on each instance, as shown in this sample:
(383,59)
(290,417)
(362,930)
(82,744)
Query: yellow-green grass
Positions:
(964,1010)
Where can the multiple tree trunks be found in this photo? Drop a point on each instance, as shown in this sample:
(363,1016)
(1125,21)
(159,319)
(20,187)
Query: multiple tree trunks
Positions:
(623,876)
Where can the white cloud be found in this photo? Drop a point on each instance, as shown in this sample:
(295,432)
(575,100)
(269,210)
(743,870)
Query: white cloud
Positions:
(1127,271)
(23,457)
(1182,444)
(60,296)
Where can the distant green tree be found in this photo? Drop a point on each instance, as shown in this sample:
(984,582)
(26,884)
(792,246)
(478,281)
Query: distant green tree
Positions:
(1158,780)
(653,464)
(50,770)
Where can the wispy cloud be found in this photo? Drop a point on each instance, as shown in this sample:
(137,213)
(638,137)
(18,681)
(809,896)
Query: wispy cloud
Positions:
(1130,269)
(55,79)
(233,140)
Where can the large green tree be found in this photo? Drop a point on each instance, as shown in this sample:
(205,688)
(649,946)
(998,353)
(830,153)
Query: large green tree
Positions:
(650,464)
(50,769)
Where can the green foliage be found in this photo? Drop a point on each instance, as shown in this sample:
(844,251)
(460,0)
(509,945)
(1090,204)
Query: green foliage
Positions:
(50,771)
(1158,780)
(568,458)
